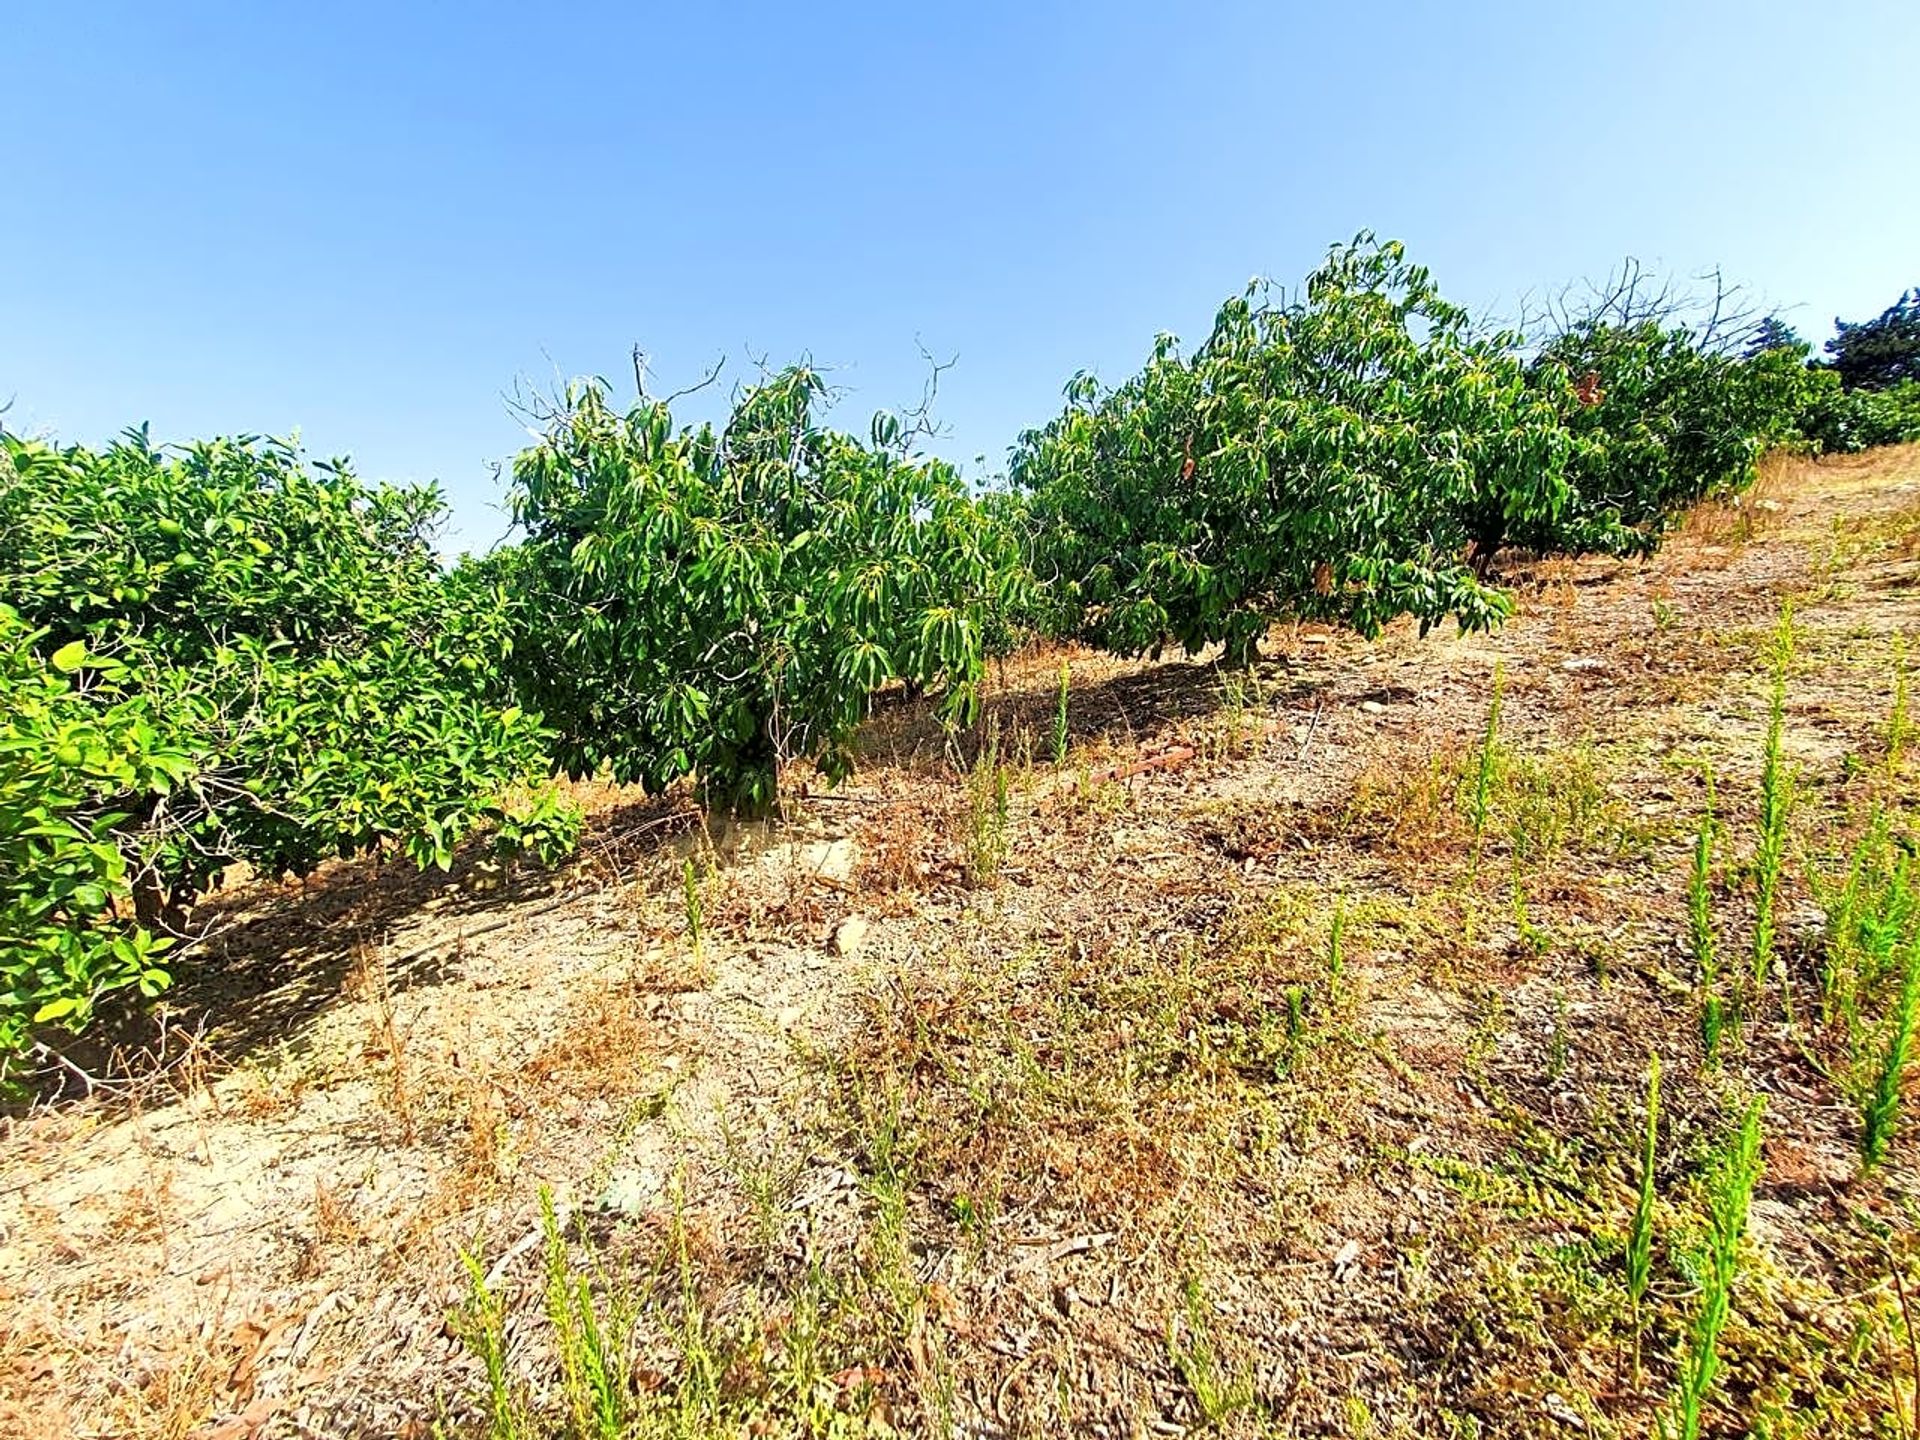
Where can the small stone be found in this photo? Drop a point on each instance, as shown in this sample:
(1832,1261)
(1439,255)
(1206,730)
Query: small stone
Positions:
(1583,662)
(849,935)
(1561,1411)
(831,860)
(1372,707)
(629,1192)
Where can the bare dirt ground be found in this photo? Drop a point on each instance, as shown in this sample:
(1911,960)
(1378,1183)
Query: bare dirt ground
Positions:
(1219,1076)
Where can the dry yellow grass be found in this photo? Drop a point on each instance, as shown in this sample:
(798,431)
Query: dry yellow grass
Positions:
(1239,1100)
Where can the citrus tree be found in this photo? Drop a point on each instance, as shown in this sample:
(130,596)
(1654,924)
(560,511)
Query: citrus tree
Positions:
(716,602)
(1327,456)
(79,755)
(256,659)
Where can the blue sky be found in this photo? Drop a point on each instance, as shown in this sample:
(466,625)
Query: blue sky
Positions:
(369,221)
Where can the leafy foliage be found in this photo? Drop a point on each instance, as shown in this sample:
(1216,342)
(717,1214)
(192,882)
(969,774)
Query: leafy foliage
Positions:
(714,603)
(227,653)
(1658,421)
(1881,352)
(1773,333)
(77,753)
(1327,456)
(274,671)
(1839,421)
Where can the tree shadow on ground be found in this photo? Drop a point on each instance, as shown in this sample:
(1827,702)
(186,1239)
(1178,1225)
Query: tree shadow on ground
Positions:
(275,956)
(1125,708)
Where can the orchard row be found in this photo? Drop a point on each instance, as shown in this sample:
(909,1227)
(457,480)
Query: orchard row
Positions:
(223,652)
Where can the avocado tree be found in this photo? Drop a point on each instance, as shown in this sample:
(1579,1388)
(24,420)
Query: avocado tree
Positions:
(1327,456)
(717,602)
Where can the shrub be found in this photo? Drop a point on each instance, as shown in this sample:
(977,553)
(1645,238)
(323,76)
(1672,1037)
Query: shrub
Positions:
(1327,456)
(714,604)
(1840,421)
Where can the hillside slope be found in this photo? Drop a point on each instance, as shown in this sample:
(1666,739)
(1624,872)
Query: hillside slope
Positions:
(1274,1064)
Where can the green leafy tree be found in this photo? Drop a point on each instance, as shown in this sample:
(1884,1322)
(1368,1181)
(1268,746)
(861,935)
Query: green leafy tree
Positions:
(80,756)
(1881,352)
(1326,456)
(1660,419)
(1775,386)
(1836,420)
(283,673)
(715,603)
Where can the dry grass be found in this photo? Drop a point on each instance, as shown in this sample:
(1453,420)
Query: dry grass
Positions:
(1240,1099)
(1069,1079)
(1730,521)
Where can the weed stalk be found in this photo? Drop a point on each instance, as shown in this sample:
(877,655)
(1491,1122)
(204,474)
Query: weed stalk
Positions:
(482,1325)
(1060,731)
(693,904)
(1487,768)
(1730,1184)
(1640,1236)
(1881,1114)
(1700,933)
(988,802)
(1776,804)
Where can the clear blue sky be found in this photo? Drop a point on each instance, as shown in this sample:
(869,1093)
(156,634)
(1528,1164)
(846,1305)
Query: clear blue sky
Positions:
(367,221)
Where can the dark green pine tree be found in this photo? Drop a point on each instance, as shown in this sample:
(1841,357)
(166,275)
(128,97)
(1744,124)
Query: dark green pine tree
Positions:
(1773,333)
(1874,354)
